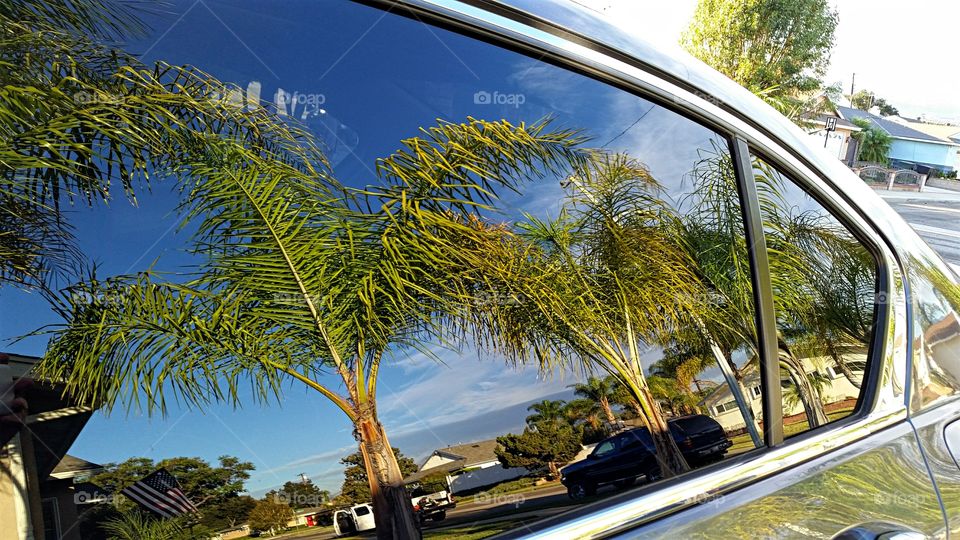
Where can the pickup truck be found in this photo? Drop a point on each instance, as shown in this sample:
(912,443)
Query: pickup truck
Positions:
(434,506)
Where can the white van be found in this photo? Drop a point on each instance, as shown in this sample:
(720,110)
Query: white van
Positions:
(355,519)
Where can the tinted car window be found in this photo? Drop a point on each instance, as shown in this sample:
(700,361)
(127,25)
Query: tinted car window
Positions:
(824,284)
(592,238)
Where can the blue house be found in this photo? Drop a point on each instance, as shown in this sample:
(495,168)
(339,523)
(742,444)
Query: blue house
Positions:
(909,148)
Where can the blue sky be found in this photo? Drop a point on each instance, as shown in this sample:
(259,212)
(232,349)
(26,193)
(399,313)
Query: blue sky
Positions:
(365,80)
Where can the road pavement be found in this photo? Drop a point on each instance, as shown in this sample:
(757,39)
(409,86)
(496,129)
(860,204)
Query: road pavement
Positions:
(935,215)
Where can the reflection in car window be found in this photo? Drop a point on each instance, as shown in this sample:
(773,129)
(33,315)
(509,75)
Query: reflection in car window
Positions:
(824,284)
(516,262)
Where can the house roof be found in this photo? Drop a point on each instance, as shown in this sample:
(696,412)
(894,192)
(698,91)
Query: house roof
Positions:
(894,129)
(473,453)
(71,466)
(463,456)
(944,131)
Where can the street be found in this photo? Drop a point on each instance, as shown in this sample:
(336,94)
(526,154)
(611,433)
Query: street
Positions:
(935,215)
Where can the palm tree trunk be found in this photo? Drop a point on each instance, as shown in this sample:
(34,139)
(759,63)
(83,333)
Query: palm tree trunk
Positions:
(392,510)
(734,381)
(809,397)
(694,409)
(668,456)
(554,470)
(842,365)
(608,412)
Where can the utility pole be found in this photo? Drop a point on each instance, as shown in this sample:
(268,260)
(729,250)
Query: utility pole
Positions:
(852,81)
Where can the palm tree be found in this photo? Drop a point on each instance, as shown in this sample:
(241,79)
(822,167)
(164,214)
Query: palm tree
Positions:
(584,410)
(599,390)
(81,119)
(595,283)
(667,391)
(873,142)
(546,411)
(307,281)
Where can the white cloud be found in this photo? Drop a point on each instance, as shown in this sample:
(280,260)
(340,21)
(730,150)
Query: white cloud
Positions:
(463,388)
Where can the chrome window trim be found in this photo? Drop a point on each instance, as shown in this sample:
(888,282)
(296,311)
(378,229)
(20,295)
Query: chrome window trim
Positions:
(888,406)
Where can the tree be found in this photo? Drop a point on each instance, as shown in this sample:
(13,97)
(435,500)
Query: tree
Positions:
(270,515)
(82,119)
(546,411)
(862,100)
(356,487)
(136,525)
(539,449)
(597,389)
(873,142)
(866,100)
(300,494)
(305,280)
(886,109)
(228,513)
(201,483)
(771,47)
(597,282)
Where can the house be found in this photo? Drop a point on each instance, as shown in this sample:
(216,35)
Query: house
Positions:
(944,131)
(467,466)
(37,477)
(909,147)
(837,392)
(838,142)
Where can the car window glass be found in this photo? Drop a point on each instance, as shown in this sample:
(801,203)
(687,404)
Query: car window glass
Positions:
(515,262)
(824,284)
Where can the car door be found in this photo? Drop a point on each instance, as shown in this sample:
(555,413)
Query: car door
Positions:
(606,461)
(935,384)
(687,220)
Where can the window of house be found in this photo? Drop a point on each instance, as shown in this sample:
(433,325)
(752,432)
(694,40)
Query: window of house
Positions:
(824,284)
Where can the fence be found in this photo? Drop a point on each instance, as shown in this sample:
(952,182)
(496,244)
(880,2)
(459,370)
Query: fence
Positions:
(880,177)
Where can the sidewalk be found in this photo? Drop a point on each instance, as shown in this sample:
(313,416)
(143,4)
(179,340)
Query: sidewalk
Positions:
(929,194)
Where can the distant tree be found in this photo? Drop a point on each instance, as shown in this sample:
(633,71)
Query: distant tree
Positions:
(356,488)
(270,515)
(874,143)
(202,483)
(301,494)
(885,108)
(866,100)
(541,449)
(598,389)
(862,100)
(583,411)
(229,513)
(775,48)
(546,411)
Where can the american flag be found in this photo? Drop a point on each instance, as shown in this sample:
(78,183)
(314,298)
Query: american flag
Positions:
(160,493)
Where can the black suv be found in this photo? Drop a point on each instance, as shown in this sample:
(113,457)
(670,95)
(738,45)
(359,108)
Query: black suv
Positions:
(624,457)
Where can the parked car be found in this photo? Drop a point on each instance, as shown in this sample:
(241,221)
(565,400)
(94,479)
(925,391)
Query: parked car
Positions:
(630,455)
(357,518)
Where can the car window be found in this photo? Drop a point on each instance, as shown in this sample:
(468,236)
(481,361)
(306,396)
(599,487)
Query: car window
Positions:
(361,510)
(606,448)
(825,285)
(496,264)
